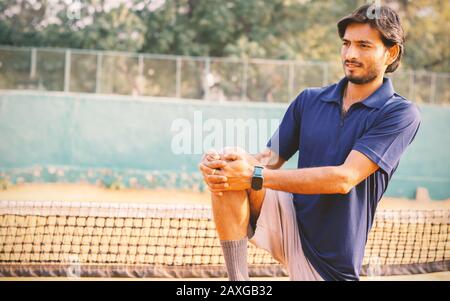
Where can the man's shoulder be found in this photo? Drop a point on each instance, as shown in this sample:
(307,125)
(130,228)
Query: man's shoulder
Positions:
(312,94)
(400,109)
(399,104)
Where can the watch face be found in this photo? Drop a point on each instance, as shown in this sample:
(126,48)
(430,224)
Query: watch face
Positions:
(257,183)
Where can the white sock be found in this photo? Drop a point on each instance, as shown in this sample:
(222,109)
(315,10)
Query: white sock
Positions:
(235,253)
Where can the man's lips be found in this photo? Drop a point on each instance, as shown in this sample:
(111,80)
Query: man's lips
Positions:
(352,65)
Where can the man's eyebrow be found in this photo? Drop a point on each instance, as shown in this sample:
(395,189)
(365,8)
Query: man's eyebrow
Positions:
(364,42)
(359,41)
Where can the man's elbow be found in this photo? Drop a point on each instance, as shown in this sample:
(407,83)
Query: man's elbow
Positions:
(345,188)
(345,180)
(276,165)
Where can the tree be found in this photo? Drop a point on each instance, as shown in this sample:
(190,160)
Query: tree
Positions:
(278,29)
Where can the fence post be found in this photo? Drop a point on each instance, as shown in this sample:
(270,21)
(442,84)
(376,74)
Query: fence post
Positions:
(178,79)
(325,74)
(67,71)
(141,65)
(291,81)
(433,88)
(140,74)
(411,85)
(244,79)
(206,73)
(33,63)
(99,72)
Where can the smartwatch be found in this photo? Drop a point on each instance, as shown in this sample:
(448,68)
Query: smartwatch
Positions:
(257,178)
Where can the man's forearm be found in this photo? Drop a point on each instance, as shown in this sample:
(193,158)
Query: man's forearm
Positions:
(317,180)
(271,161)
(265,163)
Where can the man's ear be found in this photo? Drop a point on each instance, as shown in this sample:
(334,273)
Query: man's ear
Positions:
(392,54)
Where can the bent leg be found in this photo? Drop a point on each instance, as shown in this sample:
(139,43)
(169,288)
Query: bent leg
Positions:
(234,210)
(232,213)
(256,199)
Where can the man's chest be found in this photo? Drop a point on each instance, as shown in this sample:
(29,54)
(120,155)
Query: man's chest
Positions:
(327,133)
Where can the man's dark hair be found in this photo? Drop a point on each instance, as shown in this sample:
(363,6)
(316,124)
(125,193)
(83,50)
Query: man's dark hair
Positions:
(382,18)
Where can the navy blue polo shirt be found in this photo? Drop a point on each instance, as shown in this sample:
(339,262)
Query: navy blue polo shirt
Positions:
(334,227)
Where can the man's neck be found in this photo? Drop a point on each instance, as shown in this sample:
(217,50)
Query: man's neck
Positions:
(355,93)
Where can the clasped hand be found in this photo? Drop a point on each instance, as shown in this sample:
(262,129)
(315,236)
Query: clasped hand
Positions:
(230,170)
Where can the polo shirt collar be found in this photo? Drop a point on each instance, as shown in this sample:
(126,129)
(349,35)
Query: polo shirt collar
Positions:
(375,100)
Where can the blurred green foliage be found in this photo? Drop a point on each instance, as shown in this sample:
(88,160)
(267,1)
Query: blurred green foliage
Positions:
(278,29)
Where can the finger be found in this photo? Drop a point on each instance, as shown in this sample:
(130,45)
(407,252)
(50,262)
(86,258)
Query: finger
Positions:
(216,179)
(216,164)
(212,151)
(266,152)
(208,183)
(233,149)
(212,158)
(204,169)
(217,188)
(220,193)
(220,186)
(205,179)
(209,158)
(215,191)
(232,157)
(212,154)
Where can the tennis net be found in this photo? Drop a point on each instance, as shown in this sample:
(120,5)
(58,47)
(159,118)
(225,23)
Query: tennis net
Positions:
(100,239)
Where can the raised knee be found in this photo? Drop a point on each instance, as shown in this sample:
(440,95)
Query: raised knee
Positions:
(229,198)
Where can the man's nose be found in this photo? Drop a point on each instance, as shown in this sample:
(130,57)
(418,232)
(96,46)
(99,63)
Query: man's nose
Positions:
(350,53)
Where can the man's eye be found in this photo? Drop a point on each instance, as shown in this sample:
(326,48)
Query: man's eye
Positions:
(365,46)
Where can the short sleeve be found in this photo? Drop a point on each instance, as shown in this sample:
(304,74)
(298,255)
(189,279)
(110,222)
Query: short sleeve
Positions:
(392,132)
(285,140)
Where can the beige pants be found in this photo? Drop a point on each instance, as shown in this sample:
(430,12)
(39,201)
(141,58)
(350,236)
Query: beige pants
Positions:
(277,232)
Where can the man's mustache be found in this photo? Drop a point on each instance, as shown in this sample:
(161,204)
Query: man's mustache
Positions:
(353,62)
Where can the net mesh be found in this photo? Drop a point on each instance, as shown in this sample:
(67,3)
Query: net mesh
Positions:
(42,236)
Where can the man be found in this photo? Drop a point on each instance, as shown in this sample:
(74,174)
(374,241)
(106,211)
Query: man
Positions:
(350,136)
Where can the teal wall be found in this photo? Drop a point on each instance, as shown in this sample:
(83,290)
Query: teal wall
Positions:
(68,137)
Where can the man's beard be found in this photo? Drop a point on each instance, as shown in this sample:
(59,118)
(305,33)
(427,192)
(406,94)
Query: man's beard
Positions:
(372,74)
